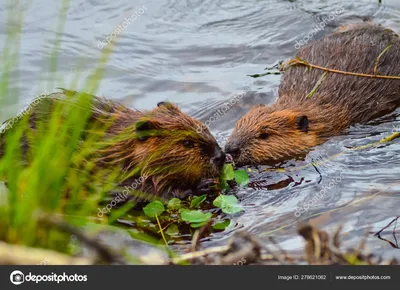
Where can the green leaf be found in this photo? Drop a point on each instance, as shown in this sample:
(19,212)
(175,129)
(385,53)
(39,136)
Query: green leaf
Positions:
(228,203)
(172,230)
(120,212)
(197,225)
(227,172)
(241,177)
(154,208)
(174,203)
(198,200)
(221,225)
(224,185)
(195,216)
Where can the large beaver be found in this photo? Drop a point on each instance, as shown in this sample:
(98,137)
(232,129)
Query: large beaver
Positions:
(295,122)
(162,146)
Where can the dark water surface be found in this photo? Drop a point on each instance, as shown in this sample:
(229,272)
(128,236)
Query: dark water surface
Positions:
(198,54)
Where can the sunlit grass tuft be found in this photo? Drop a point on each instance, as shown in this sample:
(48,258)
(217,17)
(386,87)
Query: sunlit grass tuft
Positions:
(45,171)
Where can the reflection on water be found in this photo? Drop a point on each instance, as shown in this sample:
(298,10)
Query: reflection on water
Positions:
(199,53)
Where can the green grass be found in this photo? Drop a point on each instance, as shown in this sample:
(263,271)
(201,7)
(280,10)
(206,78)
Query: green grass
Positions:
(53,187)
(45,183)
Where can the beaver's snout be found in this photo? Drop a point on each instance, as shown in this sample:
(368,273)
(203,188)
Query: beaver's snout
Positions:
(233,148)
(219,157)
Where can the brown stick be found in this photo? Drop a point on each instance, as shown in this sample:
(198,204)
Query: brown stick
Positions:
(303,62)
(20,255)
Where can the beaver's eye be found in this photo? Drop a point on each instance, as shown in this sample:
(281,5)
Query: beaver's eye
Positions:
(263,136)
(188,144)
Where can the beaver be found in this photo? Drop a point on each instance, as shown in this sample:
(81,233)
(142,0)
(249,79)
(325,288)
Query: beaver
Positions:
(311,109)
(163,147)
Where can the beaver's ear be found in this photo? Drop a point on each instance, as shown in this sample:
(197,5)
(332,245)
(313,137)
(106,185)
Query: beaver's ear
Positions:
(302,123)
(162,104)
(169,106)
(142,128)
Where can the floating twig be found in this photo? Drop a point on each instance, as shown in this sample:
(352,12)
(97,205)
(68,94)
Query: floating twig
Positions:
(388,225)
(390,138)
(200,233)
(161,231)
(317,85)
(297,61)
(378,58)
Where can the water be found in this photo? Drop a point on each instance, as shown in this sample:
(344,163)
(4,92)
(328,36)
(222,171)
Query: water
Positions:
(198,53)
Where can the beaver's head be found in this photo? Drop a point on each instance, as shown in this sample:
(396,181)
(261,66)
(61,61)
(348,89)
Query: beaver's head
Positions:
(264,136)
(170,149)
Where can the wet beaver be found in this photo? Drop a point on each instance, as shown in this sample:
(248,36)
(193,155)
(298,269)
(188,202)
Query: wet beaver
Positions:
(163,146)
(294,123)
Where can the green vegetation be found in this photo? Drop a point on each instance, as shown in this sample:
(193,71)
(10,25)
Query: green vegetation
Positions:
(47,186)
(52,192)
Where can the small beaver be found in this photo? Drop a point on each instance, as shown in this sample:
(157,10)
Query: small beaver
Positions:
(162,146)
(295,123)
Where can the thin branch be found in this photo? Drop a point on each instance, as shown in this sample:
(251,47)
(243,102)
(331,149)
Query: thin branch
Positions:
(161,231)
(378,58)
(384,228)
(297,60)
(317,85)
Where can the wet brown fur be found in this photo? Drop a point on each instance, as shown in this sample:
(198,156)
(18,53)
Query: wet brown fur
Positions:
(150,144)
(295,123)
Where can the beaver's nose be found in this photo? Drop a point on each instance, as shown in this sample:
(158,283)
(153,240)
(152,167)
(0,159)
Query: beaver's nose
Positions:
(233,149)
(219,157)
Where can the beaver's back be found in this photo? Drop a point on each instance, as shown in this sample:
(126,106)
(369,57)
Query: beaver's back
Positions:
(355,50)
(172,153)
(109,115)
